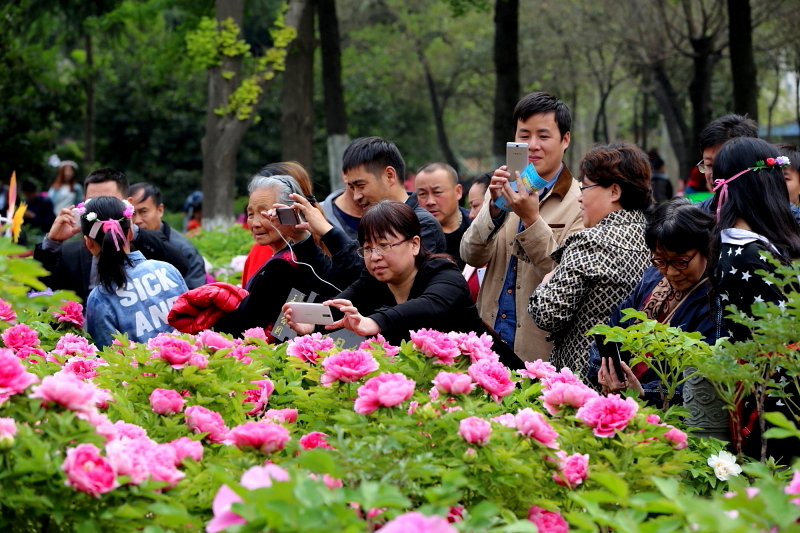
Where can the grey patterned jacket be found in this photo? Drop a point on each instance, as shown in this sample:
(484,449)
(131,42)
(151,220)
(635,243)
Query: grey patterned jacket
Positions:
(597,268)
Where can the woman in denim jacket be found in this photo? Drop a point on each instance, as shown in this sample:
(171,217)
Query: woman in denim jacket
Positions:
(133,295)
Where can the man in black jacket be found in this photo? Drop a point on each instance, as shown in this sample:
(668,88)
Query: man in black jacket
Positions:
(70,264)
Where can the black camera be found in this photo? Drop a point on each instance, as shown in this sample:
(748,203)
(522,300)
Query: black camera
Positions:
(289,216)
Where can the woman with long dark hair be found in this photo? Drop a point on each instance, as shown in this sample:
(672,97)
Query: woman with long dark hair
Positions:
(133,294)
(65,190)
(754,217)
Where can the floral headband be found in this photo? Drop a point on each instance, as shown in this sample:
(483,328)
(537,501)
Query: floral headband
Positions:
(111,225)
(767,164)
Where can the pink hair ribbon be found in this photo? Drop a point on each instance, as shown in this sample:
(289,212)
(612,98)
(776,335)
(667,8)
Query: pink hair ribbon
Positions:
(112,226)
(723,186)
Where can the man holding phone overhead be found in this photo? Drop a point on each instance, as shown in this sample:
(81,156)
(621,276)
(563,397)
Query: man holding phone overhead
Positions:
(521,224)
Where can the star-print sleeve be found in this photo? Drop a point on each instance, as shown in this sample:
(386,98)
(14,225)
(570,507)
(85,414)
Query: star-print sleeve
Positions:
(739,284)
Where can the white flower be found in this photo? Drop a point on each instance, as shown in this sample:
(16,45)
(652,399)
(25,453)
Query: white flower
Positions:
(91,217)
(724,465)
(782,160)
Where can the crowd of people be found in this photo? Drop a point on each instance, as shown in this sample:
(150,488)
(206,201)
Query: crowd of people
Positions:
(533,268)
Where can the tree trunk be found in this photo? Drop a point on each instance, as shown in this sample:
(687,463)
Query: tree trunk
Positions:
(671,109)
(438,112)
(335,110)
(506,63)
(297,122)
(743,64)
(774,102)
(705,57)
(88,126)
(645,102)
(224,133)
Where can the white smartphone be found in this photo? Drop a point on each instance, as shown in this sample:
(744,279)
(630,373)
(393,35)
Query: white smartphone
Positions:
(516,158)
(308,313)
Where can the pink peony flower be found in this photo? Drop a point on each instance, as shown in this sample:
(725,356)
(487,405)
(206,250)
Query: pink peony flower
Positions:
(453,383)
(71,345)
(434,394)
(176,352)
(67,391)
(573,469)
(240,353)
(8,429)
(185,447)
(477,348)
(418,523)
(385,390)
(7,313)
(547,521)
(200,360)
(533,424)
(475,430)
(676,437)
(129,431)
(370,343)
(606,414)
(213,341)
(102,397)
(508,420)
(162,462)
(561,395)
(255,478)
(254,333)
(653,419)
(494,377)
(537,369)
(71,312)
(260,396)
(347,366)
(201,420)
(282,415)
(412,407)
(330,481)
(13,376)
(794,487)
(455,514)
(437,345)
(565,376)
(87,471)
(315,439)
(82,367)
(264,436)
(130,457)
(166,401)
(32,355)
(308,347)
(20,336)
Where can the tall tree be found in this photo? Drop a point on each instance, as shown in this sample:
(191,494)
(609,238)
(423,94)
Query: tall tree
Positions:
(232,95)
(743,63)
(507,87)
(335,110)
(297,121)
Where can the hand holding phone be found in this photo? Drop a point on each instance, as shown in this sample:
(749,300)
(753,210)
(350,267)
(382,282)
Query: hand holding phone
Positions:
(612,352)
(310,313)
(289,216)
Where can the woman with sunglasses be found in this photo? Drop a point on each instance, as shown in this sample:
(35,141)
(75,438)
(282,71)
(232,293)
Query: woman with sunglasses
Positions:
(600,265)
(403,287)
(675,291)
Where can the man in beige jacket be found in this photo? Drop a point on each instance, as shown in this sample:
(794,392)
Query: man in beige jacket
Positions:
(517,245)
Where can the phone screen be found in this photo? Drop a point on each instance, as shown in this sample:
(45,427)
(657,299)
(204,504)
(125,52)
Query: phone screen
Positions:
(612,351)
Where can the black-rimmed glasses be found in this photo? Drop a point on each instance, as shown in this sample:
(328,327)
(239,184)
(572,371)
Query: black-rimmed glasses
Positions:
(680,264)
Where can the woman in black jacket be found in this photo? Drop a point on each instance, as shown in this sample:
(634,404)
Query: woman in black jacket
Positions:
(403,287)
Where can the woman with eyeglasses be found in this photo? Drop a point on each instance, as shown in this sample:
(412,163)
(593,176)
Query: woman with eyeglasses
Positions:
(600,265)
(403,287)
(675,291)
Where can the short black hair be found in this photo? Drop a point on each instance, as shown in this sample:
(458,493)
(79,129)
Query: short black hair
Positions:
(102,175)
(375,154)
(541,102)
(148,191)
(28,186)
(678,226)
(723,129)
(792,152)
(433,167)
(483,179)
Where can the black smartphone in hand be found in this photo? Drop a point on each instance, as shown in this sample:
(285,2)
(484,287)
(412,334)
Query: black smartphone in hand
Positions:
(612,351)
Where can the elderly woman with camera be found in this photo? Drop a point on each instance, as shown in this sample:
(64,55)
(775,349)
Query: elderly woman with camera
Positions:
(600,265)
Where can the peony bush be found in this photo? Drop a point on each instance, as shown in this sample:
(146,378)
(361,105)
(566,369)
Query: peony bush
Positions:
(212,433)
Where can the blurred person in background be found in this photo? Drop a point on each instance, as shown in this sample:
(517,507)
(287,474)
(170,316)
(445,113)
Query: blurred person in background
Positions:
(65,190)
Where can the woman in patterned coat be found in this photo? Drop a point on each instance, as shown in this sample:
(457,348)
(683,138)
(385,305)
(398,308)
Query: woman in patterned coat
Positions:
(600,265)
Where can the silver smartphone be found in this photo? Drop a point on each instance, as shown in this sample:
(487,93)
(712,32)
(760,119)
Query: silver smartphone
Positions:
(308,313)
(289,216)
(516,158)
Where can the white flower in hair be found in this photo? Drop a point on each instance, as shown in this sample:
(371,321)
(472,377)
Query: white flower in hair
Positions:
(91,217)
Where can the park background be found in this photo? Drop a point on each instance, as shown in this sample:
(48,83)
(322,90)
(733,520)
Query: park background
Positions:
(134,84)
